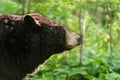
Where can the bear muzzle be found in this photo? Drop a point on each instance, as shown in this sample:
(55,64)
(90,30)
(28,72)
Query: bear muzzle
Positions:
(72,40)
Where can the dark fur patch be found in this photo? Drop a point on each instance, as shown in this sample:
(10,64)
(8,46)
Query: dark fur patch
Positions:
(23,48)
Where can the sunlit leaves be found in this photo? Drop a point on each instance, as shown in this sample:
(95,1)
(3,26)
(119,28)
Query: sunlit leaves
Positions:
(7,7)
(107,37)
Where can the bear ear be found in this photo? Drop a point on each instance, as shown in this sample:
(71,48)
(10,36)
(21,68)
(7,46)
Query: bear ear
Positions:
(29,20)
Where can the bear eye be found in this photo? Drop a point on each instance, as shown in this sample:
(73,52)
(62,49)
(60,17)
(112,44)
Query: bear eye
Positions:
(57,28)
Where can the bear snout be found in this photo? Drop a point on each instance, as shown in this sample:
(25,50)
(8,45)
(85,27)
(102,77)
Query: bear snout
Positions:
(72,40)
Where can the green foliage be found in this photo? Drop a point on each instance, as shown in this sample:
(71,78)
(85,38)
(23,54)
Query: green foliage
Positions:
(96,62)
(8,7)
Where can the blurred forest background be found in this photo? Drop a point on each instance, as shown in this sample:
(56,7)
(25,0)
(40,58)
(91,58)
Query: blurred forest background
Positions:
(100,57)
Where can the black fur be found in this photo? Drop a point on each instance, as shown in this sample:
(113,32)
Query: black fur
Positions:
(24,44)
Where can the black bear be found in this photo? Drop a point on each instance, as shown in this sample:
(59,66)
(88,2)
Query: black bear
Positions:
(26,41)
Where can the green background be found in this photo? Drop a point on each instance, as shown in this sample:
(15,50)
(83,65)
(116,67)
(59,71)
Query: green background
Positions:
(100,62)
